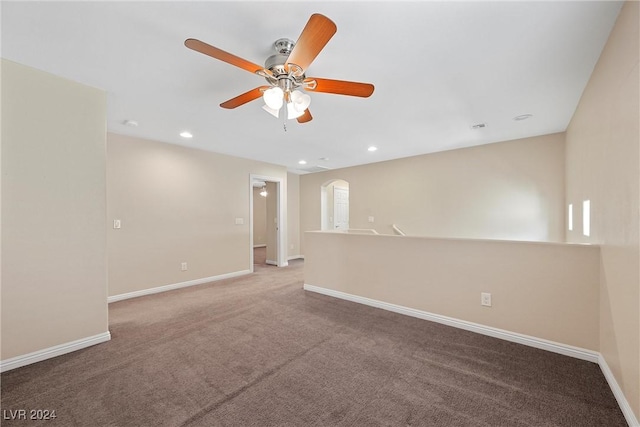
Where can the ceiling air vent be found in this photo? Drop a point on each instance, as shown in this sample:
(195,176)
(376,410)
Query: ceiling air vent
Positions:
(314,169)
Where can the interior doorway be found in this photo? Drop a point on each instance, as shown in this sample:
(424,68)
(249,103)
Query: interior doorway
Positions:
(259,224)
(267,216)
(334,205)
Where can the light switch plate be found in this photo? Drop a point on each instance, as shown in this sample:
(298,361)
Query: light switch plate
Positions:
(485,299)
(239,221)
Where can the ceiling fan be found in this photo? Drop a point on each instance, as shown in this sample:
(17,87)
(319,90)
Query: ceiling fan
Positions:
(285,72)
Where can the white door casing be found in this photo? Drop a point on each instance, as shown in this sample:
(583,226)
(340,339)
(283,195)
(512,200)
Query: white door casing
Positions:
(281,218)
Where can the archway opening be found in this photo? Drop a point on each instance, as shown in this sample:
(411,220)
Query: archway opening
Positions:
(334,205)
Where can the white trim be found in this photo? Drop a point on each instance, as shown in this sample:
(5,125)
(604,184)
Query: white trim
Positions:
(567,350)
(324,221)
(281,215)
(397,230)
(56,350)
(165,288)
(260,246)
(283,264)
(291,257)
(617,392)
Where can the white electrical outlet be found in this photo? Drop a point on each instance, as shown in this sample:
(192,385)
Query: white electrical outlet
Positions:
(117,223)
(371,219)
(485,299)
(183,267)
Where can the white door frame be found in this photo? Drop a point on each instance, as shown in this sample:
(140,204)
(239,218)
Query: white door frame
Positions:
(281,215)
(324,221)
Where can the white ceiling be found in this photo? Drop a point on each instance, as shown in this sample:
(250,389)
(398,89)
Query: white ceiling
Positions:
(438,68)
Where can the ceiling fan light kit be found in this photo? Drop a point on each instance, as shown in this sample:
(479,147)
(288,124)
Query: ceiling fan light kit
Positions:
(274,112)
(273,97)
(285,72)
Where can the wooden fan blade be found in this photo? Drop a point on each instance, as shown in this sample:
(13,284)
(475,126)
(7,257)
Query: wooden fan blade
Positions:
(244,98)
(339,87)
(315,35)
(220,54)
(306,117)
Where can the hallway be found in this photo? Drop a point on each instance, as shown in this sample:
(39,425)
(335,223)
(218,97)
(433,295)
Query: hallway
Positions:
(260,256)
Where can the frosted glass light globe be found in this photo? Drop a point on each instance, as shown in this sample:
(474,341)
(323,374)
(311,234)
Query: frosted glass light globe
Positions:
(292,111)
(301,101)
(273,97)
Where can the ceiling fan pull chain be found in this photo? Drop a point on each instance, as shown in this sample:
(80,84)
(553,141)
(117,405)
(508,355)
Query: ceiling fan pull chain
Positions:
(284,121)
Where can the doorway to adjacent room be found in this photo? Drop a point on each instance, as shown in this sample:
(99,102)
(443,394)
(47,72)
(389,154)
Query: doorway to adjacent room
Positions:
(266,224)
(334,205)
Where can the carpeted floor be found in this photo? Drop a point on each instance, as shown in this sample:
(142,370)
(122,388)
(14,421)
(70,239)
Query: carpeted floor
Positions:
(259,351)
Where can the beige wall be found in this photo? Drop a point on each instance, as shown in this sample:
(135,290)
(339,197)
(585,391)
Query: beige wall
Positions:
(603,161)
(548,291)
(509,190)
(293,214)
(259,218)
(176,205)
(54,270)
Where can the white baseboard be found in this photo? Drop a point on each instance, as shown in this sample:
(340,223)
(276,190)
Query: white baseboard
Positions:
(290,257)
(617,392)
(171,287)
(57,350)
(555,347)
(284,264)
(567,350)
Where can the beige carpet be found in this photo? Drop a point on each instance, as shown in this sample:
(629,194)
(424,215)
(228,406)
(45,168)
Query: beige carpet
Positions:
(259,351)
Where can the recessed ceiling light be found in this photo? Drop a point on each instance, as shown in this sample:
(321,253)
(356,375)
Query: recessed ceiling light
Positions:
(186,134)
(522,117)
(131,123)
(479,126)
(302,162)
(372,148)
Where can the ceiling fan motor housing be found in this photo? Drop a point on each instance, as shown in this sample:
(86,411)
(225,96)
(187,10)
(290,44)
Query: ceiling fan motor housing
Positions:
(285,79)
(275,63)
(284,46)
